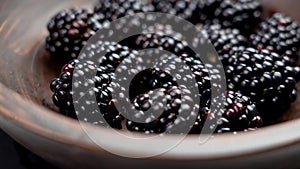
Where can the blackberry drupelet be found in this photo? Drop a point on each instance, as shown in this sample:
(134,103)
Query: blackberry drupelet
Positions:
(181,8)
(114,9)
(239,114)
(106,8)
(267,78)
(130,7)
(69,31)
(223,39)
(205,11)
(280,34)
(163,42)
(244,15)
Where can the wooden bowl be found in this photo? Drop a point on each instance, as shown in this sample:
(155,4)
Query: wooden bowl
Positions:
(27,113)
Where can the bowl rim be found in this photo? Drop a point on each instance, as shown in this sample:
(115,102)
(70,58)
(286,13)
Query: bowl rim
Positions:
(27,115)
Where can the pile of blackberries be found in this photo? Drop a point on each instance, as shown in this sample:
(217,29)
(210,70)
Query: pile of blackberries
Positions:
(259,58)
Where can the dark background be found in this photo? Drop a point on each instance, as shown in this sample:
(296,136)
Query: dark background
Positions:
(15,156)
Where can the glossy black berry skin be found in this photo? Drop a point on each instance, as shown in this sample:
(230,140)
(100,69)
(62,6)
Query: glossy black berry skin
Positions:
(114,9)
(62,90)
(69,31)
(106,8)
(183,8)
(205,11)
(62,86)
(146,81)
(280,34)
(267,78)
(223,39)
(244,15)
(238,113)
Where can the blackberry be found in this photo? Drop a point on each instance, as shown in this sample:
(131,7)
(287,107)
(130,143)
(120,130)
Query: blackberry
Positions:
(181,8)
(62,86)
(69,31)
(266,77)
(118,8)
(240,114)
(223,39)
(244,15)
(280,34)
(62,89)
(149,80)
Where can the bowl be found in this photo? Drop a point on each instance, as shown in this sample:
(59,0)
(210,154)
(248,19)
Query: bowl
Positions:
(27,113)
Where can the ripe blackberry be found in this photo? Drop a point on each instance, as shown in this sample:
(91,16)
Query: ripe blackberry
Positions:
(62,86)
(62,89)
(280,34)
(239,114)
(266,77)
(149,80)
(244,15)
(223,39)
(69,31)
(118,8)
(181,8)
